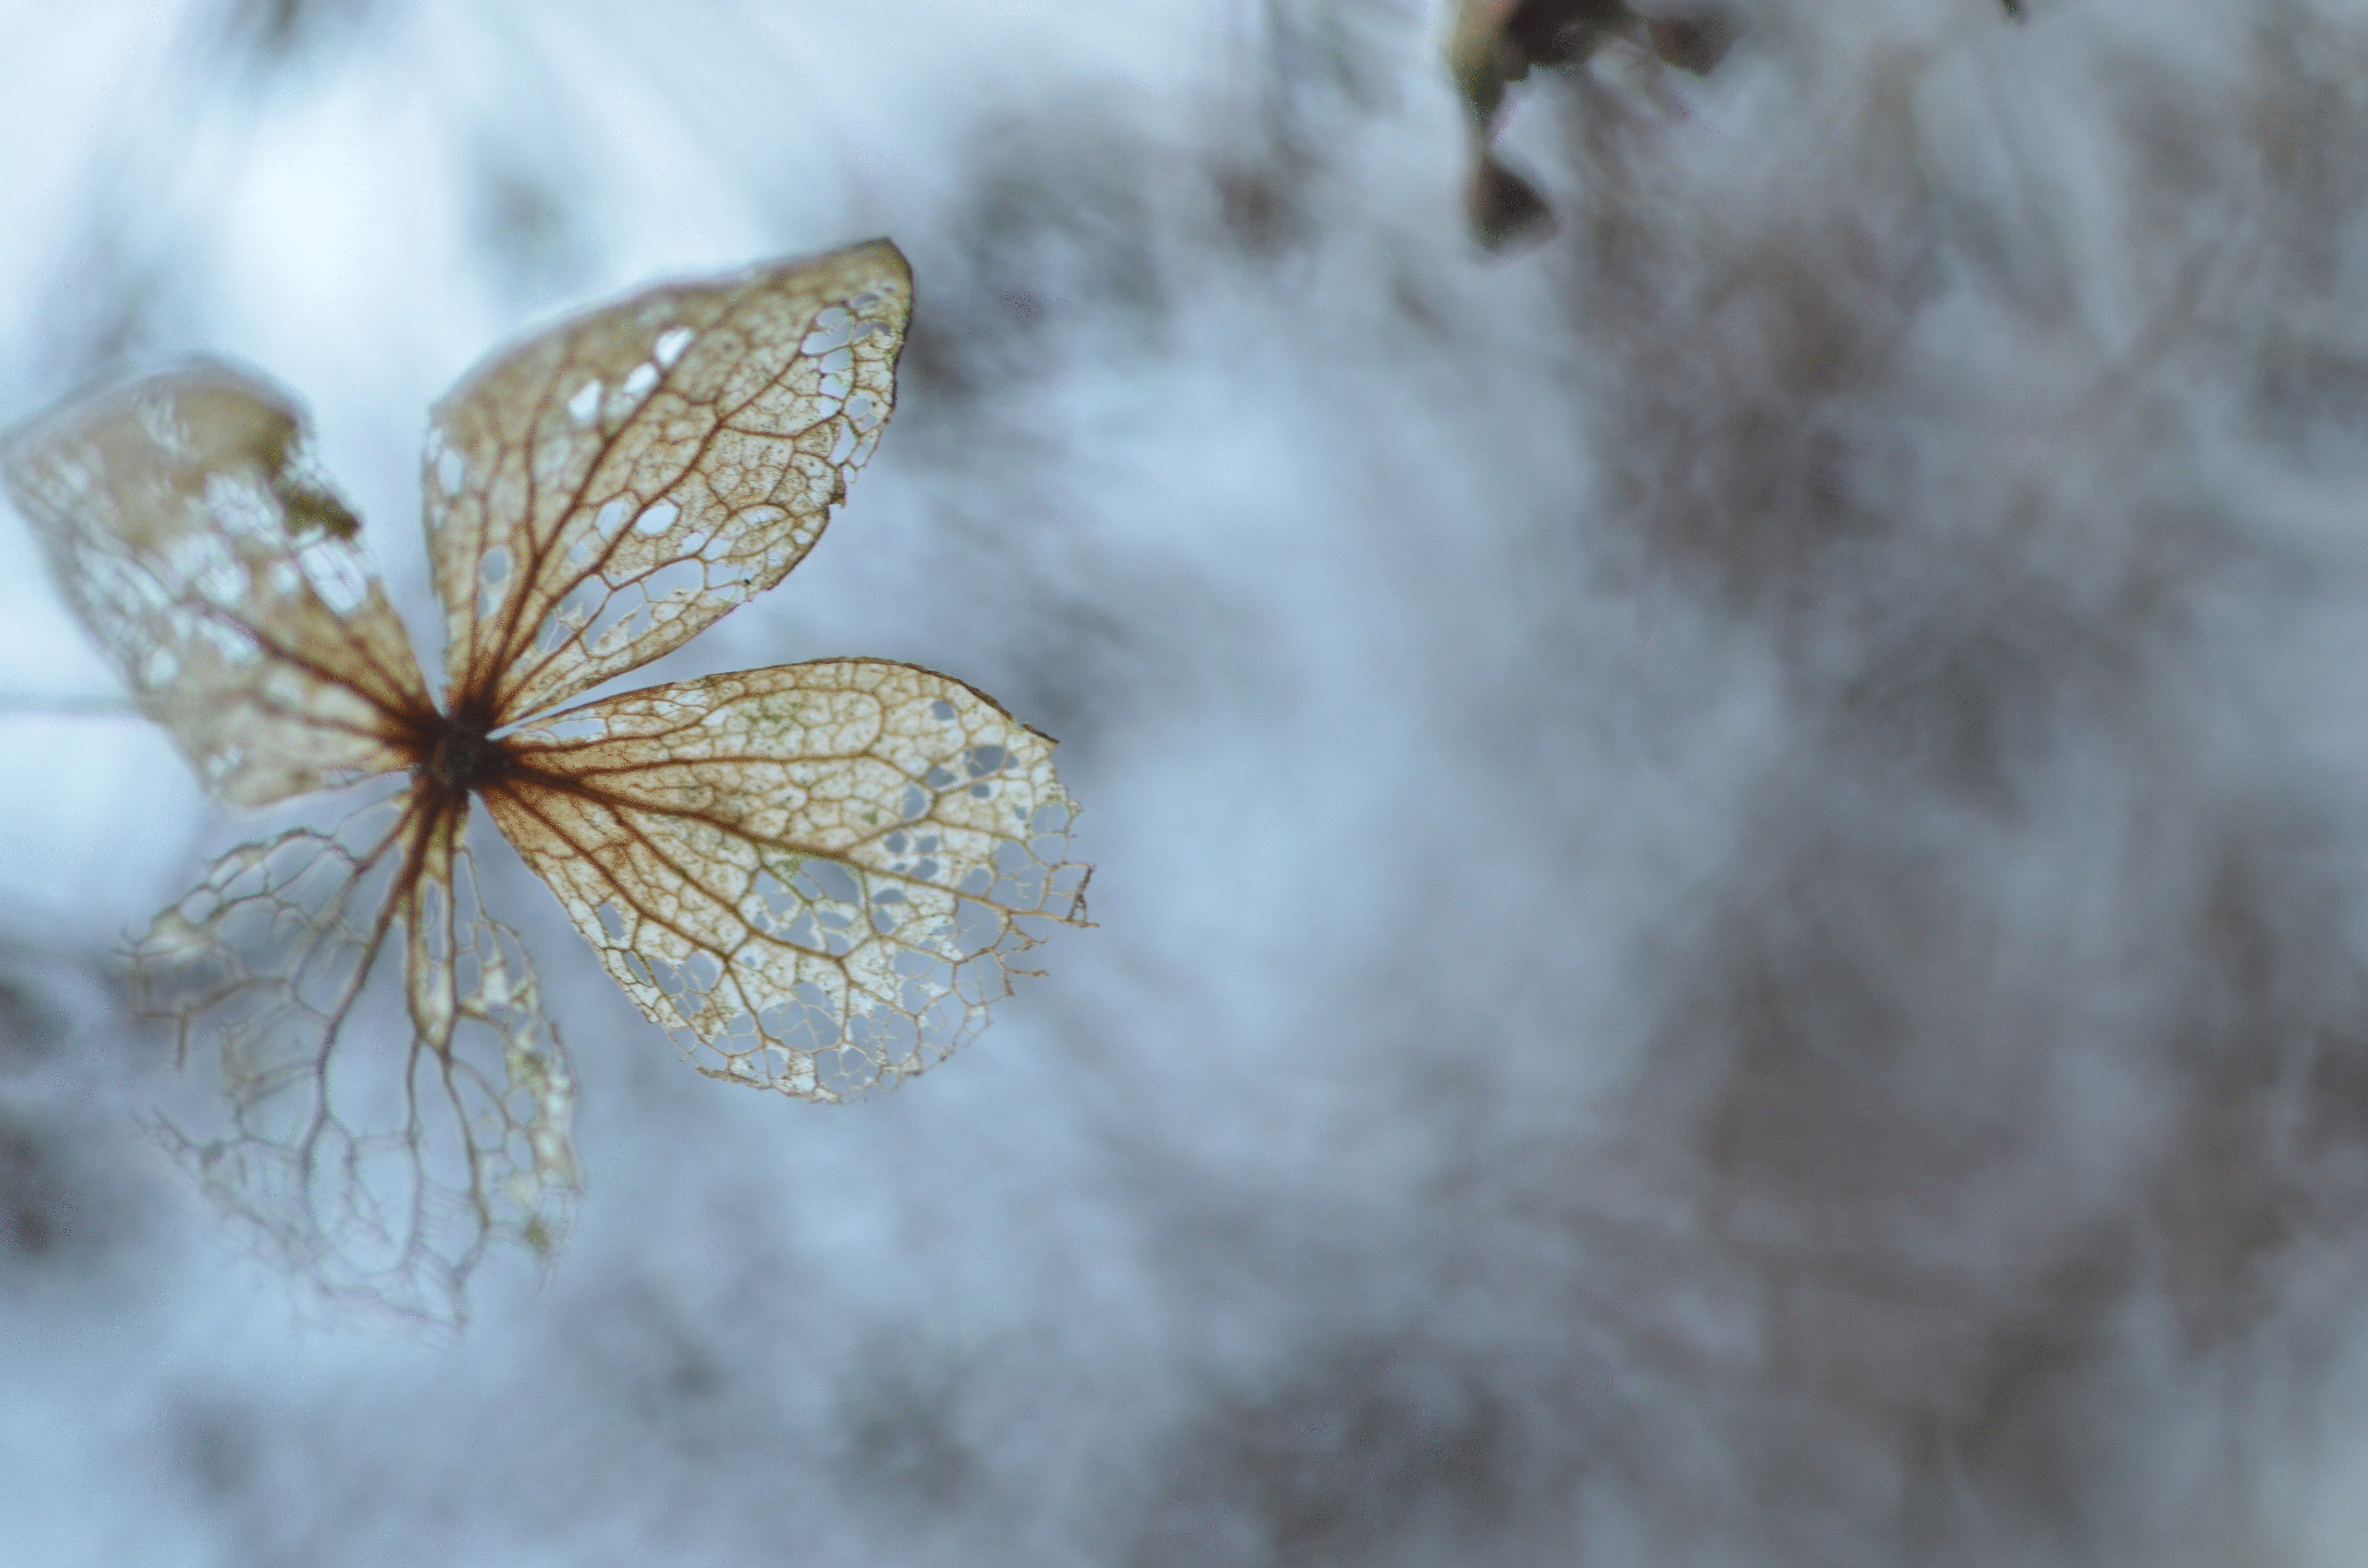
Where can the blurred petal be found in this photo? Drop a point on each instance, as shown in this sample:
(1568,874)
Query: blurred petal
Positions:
(194,539)
(382,1175)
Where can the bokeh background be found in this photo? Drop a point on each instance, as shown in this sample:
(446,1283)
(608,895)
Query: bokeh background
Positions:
(1732,847)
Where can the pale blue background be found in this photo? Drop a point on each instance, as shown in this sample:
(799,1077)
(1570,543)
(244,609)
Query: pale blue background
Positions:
(1730,848)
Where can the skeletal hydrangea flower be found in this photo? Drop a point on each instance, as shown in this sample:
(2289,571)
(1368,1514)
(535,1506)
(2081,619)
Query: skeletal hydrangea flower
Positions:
(814,877)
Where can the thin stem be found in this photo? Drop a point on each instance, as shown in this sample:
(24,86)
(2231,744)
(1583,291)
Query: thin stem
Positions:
(92,706)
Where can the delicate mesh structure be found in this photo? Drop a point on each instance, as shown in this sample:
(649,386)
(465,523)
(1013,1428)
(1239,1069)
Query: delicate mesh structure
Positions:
(598,495)
(812,875)
(815,877)
(382,1175)
(185,521)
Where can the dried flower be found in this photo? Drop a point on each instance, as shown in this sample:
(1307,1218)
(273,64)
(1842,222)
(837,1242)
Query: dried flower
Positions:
(812,876)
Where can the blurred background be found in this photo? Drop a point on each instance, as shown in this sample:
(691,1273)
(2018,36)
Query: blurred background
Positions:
(1731,840)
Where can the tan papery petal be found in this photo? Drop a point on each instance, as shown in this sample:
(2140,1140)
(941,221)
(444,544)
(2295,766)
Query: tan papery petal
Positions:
(814,876)
(600,492)
(193,537)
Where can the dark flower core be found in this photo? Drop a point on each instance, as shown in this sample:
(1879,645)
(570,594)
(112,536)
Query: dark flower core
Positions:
(460,757)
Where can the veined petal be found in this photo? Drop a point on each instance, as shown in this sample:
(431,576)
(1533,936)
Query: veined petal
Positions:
(815,875)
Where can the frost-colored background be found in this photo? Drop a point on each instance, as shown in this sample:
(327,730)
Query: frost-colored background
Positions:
(1732,850)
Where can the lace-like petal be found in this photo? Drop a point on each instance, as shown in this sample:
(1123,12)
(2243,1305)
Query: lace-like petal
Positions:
(379,1169)
(602,492)
(815,875)
(194,539)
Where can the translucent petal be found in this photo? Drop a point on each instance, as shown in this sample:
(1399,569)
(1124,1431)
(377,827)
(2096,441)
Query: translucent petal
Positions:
(378,1137)
(815,875)
(184,519)
(599,493)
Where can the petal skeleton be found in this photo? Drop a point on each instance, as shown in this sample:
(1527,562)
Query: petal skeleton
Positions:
(813,875)
(601,494)
(183,520)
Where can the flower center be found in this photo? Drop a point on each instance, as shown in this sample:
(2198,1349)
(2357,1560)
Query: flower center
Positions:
(465,757)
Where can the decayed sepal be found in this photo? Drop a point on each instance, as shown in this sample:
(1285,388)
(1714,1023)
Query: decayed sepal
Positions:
(196,540)
(381,1175)
(816,877)
(600,492)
